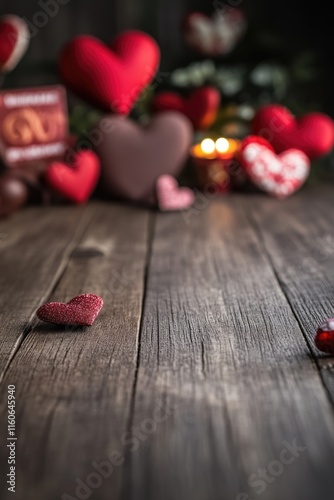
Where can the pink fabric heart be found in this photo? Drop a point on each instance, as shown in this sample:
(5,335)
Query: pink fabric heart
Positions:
(82,310)
(171,196)
(279,175)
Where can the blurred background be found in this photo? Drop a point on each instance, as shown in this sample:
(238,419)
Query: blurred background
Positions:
(284,55)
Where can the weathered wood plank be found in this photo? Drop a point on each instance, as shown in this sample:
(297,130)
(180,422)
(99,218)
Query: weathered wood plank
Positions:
(34,248)
(74,386)
(298,235)
(222,351)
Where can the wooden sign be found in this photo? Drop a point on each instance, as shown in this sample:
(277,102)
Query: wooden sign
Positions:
(33,125)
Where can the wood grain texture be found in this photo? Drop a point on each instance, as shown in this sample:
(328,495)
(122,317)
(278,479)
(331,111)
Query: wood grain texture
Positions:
(298,236)
(198,394)
(31,260)
(223,354)
(74,385)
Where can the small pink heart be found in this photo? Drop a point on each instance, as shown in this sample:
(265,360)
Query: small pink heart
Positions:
(171,196)
(82,310)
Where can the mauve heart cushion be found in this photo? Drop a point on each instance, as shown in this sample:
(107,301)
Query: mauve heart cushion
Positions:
(133,157)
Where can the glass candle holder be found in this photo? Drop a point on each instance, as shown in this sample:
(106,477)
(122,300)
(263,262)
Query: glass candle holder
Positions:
(214,163)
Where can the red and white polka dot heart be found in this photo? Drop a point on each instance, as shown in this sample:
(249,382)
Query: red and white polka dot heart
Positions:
(279,175)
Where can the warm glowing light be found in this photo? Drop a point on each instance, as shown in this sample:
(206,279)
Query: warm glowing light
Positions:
(222,145)
(210,150)
(208,146)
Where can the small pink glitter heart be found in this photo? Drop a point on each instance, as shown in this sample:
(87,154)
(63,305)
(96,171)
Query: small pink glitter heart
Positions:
(82,310)
(171,196)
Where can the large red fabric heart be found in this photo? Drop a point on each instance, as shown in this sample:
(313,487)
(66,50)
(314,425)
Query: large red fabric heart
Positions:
(324,339)
(76,182)
(216,35)
(134,157)
(82,310)
(111,78)
(14,41)
(201,106)
(313,133)
(279,175)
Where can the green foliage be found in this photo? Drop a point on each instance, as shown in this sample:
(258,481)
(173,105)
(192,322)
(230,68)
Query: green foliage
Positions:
(82,119)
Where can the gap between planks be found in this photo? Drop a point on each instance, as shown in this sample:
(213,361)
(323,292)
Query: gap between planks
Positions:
(149,249)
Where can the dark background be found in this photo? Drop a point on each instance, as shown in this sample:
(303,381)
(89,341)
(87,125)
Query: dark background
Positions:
(298,27)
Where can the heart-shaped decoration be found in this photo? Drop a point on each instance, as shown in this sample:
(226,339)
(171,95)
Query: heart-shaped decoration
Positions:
(82,310)
(110,77)
(313,133)
(171,197)
(216,35)
(134,157)
(76,182)
(324,339)
(279,175)
(201,106)
(14,41)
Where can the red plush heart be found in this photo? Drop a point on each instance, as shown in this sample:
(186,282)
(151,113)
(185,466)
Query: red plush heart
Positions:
(324,339)
(111,78)
(14,40)
(313,133)
(217,35)
(201,106)
(171,197)
(75,182)
(82,310)
(279,175)
(133,157)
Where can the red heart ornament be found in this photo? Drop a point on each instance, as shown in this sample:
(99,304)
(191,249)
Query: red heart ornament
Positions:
(111,78)
(14,41)
(201,106)
(216,35)
(324,339)
(82,310)
(171,197)
(134,157)
(313,133)
(279,175)
(75,182)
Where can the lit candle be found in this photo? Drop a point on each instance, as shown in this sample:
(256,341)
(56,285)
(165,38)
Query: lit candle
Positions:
(213,161)
(208,146)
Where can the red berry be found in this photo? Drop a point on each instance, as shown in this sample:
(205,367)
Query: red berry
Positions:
(324,339)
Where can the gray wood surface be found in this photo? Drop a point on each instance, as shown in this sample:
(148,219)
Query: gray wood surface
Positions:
(34,248)
(200,370)
(221,344)
(74,385)
(299,240)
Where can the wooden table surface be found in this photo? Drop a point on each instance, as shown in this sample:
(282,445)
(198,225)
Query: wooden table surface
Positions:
(200,379)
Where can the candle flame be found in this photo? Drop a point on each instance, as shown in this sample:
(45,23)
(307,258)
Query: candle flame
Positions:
(208,146)
(222,145)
